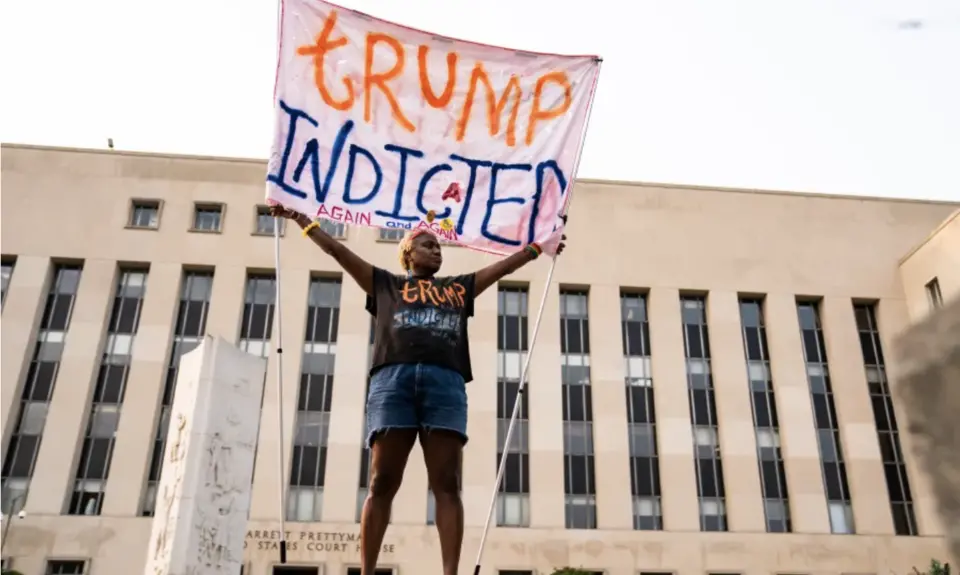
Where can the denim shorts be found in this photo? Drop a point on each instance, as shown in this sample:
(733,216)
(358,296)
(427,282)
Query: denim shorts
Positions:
(416,396)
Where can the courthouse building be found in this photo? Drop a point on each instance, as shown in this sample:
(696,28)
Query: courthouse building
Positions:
(709,392)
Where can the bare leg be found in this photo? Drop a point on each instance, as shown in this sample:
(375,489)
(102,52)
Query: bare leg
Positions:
(442,451)
(390,453)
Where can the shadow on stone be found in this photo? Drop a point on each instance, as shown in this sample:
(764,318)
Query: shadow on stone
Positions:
(928,386)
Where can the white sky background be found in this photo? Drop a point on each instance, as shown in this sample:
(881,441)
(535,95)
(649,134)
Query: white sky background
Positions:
(828,96)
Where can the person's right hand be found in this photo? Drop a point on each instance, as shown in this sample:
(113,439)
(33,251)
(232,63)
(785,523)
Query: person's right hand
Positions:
(278,211)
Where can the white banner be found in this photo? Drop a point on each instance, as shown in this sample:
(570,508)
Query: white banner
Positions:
(384,126)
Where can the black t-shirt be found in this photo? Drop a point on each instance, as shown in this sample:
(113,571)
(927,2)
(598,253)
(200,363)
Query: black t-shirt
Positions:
(422,320)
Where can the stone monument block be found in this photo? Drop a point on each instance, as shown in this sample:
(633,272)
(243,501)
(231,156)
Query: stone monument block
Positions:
(203,497)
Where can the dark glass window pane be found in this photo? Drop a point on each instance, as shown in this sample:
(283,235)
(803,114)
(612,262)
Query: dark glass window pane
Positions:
(511,339)
(156,462)
(702,407)
(636,342)
(585,335)
(58,312)
(893,482)
(255,326)
(810,346)
(834,481)
(516,476)
(694,345)
(821,413)
(771,487)
(752,341)
(880,413)
(309,463)
(709,484)
(39,384)
(578,474)
(640,405)
(761,412)
(94,458)
(645,476)
(866,344)
(125,315)
(577,403)
(20,454)
(508,395)
(574,343)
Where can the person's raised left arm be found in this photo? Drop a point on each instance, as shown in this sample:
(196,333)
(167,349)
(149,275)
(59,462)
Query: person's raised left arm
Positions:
(494,272)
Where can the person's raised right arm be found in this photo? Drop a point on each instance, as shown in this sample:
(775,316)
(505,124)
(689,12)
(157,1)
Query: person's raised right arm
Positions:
(358,268)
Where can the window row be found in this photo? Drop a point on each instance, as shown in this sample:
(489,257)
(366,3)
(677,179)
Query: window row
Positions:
(209,217)
(315,399)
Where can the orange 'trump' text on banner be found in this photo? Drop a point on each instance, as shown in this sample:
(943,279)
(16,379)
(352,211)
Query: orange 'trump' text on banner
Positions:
(374,121)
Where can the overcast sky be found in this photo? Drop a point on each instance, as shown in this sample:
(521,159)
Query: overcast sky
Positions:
(835,96)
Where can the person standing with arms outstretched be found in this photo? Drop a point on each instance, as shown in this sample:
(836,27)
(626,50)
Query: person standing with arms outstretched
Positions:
(421,365)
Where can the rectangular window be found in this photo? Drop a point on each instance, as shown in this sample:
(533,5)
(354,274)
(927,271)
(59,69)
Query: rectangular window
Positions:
(258,303)
(104,417)
(145,214)
(888,432)
(933,294)
(191,326)
(207,217)
(513,498)
(703,414)
(266,223)
(834,470)
(579,477)
(334,229)
(66,567)
(766,424)
(305,498)
(391,234)
(38,387)
(7,270)
(641,415)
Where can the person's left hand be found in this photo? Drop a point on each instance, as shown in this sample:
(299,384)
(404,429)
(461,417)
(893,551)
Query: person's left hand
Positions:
(553,245)
(561,245)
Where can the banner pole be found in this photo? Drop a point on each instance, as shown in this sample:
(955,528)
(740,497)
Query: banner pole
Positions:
(533,338)
(281,485)
(277,223)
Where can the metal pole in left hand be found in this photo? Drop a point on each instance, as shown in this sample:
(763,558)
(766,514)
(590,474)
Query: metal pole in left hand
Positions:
(533,340)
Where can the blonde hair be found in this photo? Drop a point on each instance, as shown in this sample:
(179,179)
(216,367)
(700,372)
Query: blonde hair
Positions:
(406,246)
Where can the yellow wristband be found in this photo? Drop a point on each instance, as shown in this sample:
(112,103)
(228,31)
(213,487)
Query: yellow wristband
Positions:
(308,229)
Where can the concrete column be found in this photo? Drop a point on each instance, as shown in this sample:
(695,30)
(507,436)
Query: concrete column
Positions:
(141,402)
(347,410)
(546,412)
(738,443)
(798,436)
(55,469)
(269,476)
(204,492)
(226,302)
(611,442)
(480,455)
(22,312)
(858,430)
(674,436)
(893,322)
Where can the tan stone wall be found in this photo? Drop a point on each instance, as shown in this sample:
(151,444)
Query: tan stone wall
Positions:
(664,239)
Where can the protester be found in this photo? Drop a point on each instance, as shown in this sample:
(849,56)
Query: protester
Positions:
(421,365)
